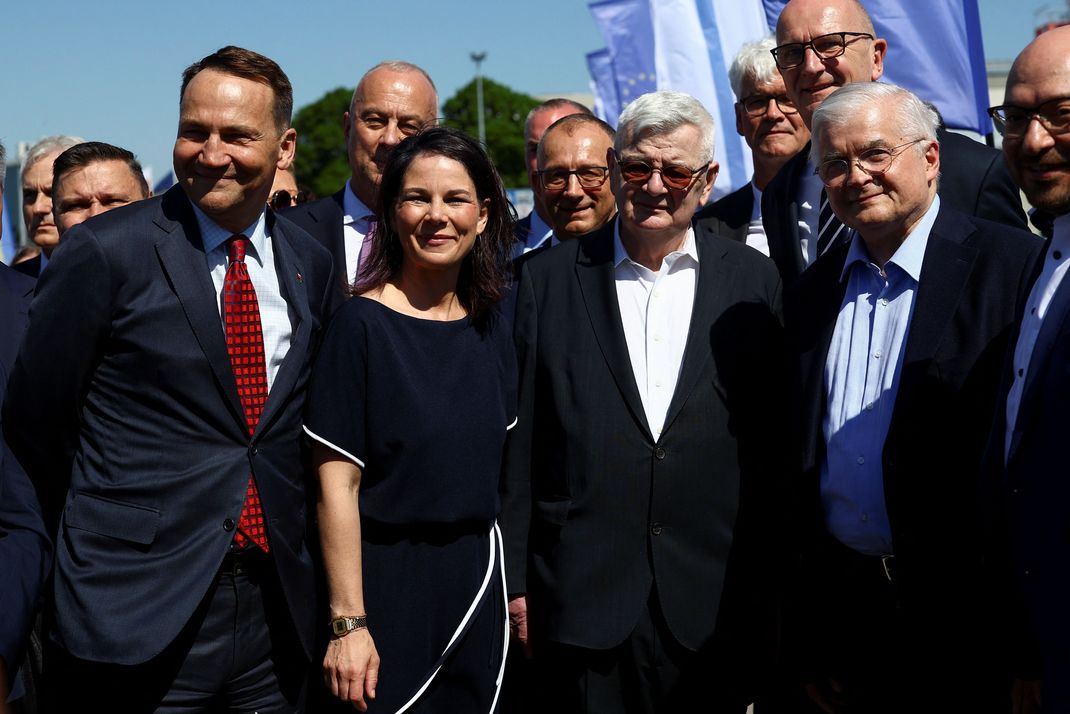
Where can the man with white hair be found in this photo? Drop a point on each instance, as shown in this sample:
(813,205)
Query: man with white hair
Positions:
(37,199)
(898,337)
(632,476)
(770,123)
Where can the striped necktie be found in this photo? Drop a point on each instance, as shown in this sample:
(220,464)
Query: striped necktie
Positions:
(830,230)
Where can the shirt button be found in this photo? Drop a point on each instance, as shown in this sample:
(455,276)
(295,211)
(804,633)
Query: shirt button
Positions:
(656,529)
(1021,372)
(228,524)
(884,302)
(658,384)
(657,338)
(861,460)
(1057,255)
(877,354)
(1033,311)
(869,407)
(659,454)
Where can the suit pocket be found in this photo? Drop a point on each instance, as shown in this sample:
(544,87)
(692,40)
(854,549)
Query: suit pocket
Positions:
(125,521)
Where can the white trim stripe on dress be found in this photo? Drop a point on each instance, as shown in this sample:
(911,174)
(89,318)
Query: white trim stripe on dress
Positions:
(328,444)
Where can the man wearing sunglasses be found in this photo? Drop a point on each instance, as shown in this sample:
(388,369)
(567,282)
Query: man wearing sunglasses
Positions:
(645,352)
(1029,473)
(823,45)
(898,335)
(769,122)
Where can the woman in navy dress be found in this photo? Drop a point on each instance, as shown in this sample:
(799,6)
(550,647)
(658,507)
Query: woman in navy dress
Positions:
(410,400)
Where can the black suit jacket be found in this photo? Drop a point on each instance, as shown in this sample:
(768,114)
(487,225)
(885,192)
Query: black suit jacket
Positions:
(973,272)
(596,510)
(729,217)
(25,548)
(323,220)
(129,418)
(30,268)
(973,179)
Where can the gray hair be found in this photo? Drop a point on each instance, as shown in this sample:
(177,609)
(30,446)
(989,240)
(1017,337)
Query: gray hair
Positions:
(555,103)
(400,66)
(3,166)
(754,60)
(662,112)
(913,116)
(48,145)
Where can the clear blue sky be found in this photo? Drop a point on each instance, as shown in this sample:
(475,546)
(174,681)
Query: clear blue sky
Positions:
(109,70)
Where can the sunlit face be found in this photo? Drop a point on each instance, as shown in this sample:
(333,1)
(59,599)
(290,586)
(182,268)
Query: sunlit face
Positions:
(89,190)
(575,210)
(811,82)
(37,203)
(890,203)
(773,133)
(388,106)
(438,214)
(1039,161)
(654,208)
(229,147)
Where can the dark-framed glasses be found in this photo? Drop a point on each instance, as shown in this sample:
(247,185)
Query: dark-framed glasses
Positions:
(284,199)
(872,161)
(826,47)
(677,176)
(588,176)
(757,104)
(1012,121)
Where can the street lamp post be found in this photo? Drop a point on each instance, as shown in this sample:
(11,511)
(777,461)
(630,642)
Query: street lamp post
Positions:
(478,58)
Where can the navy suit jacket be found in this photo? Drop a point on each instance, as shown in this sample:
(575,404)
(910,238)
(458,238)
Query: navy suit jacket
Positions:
(728,217)
(323,220)
(973,179)
(130,425)
(973,273)
(597,510)
(25,548)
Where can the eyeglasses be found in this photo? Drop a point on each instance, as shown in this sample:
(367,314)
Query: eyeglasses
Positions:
(284,199)
(825,47)
(1013,122)
(872,161)
(675,176)
(588,176)
(757,104)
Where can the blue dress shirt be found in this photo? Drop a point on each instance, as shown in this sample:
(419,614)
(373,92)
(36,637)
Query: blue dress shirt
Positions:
(861,381)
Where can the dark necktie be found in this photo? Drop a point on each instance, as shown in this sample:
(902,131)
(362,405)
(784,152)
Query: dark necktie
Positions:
(245,345)
(829,228)
(366,244)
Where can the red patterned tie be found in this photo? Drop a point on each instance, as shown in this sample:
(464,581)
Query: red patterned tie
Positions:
(245,345)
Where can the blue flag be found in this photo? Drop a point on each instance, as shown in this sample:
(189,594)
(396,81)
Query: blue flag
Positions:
(629,36)
(604,86)
(9,238)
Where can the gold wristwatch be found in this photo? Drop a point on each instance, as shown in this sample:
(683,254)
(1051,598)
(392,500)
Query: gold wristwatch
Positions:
(342,626)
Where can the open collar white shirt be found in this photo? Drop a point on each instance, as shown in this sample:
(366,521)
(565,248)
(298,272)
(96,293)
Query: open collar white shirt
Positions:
(356,224)
(655,311)
(276,317)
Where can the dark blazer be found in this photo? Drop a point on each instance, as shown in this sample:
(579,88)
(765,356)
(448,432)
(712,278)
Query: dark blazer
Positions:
(130,421)
(729,217)
(1032,493)
(596,510)
(30,268)
(25,548)
(973,272)
(323,220)
(973,179)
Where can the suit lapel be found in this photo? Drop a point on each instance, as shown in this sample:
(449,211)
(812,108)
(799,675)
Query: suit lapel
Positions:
(288,266)
(596,275)
(181,254)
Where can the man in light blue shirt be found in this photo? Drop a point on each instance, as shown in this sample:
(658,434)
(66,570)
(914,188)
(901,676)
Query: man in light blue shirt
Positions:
(899,335)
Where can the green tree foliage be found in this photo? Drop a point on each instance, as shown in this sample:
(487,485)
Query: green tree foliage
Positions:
(321,162)
(505,111)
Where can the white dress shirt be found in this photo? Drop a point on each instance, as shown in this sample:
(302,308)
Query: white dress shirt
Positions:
(1056,263)
(356,221)
(655,310)
(756,237)
(276,317)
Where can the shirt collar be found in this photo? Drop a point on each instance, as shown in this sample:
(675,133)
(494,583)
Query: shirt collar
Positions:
(353,208)
(908,257)
(756,207)
(1061,228)
(620,255)
(213,235)
(540,231)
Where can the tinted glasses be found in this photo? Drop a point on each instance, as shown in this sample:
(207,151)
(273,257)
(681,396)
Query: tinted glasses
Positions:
(284,199)
(677,176)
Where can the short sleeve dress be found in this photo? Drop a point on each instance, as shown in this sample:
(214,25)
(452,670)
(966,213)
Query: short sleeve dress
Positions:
(423,407)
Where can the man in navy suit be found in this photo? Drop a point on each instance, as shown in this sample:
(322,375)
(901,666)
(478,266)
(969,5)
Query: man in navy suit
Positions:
(824,45)
(392,100)
(156,404)
(899,335)
(1027,442)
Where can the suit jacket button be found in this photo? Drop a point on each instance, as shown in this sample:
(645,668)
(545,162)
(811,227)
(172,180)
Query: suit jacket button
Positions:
(254,451)
(228,524)
(656,529)
(659,453)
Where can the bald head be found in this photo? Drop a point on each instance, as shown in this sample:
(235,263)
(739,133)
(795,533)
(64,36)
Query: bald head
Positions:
(815,78)
(1038,159)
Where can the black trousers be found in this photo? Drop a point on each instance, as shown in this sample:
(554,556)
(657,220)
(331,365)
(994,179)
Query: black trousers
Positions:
(649,673)
(238,653)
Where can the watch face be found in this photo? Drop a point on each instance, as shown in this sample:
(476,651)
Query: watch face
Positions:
(340,626)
